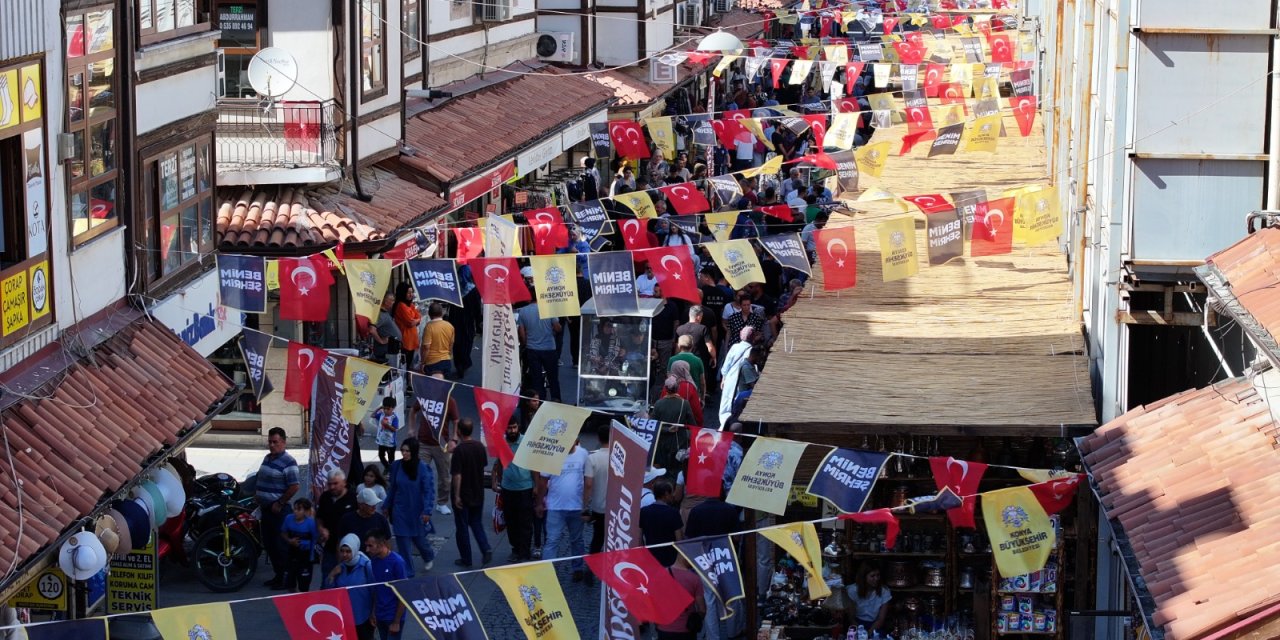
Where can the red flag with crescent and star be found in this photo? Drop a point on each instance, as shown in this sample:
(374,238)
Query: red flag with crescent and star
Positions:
(470,243)
(499,281)
(628,139)
(1024,112)
(686,198)
(818,125)
(993,228)
(549,232)
(962,477)
(674,268)
(300,373)
(776,66)
(889,24)
(725,131)
(496,409)
(932,203)
(932,79)
(1057,494)
(838,255)
(782,212)
(304,288)
(649,591)
(708,455)
(952,93)
(317,615)
(909,53)
(1001,47)
(635,235)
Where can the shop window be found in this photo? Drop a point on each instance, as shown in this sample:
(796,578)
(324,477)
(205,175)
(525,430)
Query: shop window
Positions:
(373,56)
(178,225)
(166,19)
(91,86)
(241,28)
(411,29)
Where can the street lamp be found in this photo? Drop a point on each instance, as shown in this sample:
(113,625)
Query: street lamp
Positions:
(720,41)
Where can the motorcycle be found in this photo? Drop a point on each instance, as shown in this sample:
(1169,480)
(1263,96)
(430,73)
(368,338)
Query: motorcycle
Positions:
(223,525)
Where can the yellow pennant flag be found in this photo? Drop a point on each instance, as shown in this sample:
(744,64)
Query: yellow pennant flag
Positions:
(200,621)
(360,380)
(880,194)
(836,53)
(724,64)
(555,280)
(764,478)
(800,541)
(898,248)
(800,71)
(1036,476)
(500,237)
(550,436)
(738,261)
(872,157)
(333,259)
(889,53)
(918,19)
(962,73)
(753,125)
(1021,533)
(947,115)
(841,133)
(273,275)
(962,28)
(1038,218)
(981,135)
(880,78)
(663,134)
(881,102)
(787,17)
(639,203)
(770,167)
(721,224)
(846,17)
(533,592)
(989,86)
(368,281)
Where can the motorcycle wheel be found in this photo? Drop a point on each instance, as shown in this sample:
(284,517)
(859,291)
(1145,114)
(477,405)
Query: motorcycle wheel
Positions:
(222,572)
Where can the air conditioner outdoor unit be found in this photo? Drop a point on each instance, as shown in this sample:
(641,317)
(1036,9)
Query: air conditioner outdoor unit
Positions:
(694,12)
(682,18)
(556,46)
(724,6)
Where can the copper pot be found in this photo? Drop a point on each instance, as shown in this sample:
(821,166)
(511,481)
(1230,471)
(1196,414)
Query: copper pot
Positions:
(933,576)
(898,574)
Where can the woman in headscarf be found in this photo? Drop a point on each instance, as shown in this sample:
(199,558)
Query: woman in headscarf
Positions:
(410,498)
(688,388)
(353,570)
(729,371)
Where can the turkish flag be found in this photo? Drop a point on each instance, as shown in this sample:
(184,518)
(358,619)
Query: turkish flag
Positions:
(316,615)
(302,126)
(699,57)
(932,79)
(993,228)
(499,281)
(304,288)
(910,140)
(496,409)
(300,372)
(628,139)
(776,66)
(819,159)
(674,268)
(919,119)
(686,198)
(952,93)
(929,204)
(1001,48)
(878,516)
(889,24)
(780,211)
(1057,494)
(735,118)
(635,234)
(940,21)
(962,477)
(800,52)
(916,40)
(470,243)
(825,22)
(1024,112)
(549,232)
(909,53)
(818,125)
(725,131)
(708,455)
(838,255)
(648,590)
(852,71)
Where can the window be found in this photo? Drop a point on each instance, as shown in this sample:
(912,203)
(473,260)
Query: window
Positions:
(165,19)
(493,10)
(411,30)
(178,224)
(241,25)
(91,120)
(373,57)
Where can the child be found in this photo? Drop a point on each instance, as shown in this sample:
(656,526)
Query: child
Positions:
(299,532)
(388,425)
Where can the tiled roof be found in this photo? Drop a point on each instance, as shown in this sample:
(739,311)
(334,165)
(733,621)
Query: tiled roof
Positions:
(471,131)
(1249,273)
(95,425)
(1192,480)
(397,202)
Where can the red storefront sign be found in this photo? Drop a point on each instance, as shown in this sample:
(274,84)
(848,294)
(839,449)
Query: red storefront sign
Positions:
(484,183)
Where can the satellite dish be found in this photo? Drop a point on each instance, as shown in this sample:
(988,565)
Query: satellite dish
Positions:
(273,72)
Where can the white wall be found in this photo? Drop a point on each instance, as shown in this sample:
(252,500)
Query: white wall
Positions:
(379,135)
(175,97)
(660,32)
(303,28)
(617,38)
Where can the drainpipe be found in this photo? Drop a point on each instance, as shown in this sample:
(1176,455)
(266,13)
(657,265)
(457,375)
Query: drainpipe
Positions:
(353,102)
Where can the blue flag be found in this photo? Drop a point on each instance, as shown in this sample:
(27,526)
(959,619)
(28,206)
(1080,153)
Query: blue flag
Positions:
(442,607)
(436,280)
(254,346)
(432,395)
(646,429)
(90,629)
(243,282)
(845,477)
(613,283)
(716,562)
(788,251)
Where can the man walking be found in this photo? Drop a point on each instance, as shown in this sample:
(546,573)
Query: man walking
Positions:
(538,336)
(277,482)
(438,447)
(563,499)
(467,469)
(598,471)
(515,484)
(388,610)
(437,342)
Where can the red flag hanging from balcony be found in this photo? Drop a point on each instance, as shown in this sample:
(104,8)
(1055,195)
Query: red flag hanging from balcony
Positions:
(302,126)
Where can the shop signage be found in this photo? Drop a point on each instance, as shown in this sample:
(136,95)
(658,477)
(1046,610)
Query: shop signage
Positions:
(465,192)
(801,496)
(580,131)
(48,592)
(537,157)
(196,316)
(15,301)
(238,22)
(131,583)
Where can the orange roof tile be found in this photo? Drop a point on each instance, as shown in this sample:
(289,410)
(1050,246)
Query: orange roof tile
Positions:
(1246,278)
(1191,481)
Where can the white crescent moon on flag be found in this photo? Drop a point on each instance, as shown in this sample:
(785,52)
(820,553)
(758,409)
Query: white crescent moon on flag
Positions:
(544,218)
(916,114)
(995,213)
(309,355)
(964,469)
(634,133)
(624,566)
(321,608)
(675,191)
(305,269)
(837,242)
(1024,104)
(500,267)
(713,436)
(490,406)
(672,258)
(631,227)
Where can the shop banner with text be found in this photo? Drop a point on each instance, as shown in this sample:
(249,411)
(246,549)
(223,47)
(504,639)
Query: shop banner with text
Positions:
(613,283)
(436,279)
(737,261)
(360,381)
(1021,533)
(432,395)
(242,282)
(788,250)
(844,478)
(555,281)
(501,351)
(442,607)
(628,458)
(330,431)
(254,347)
(368,281)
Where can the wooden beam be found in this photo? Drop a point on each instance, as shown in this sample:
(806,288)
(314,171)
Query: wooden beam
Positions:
(1170,319)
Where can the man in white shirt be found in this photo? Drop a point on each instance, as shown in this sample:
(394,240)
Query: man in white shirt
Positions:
(744,145)
(646,283)
(598,470)
(563,500)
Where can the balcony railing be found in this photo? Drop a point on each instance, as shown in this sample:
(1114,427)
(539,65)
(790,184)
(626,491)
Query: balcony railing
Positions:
(279,135)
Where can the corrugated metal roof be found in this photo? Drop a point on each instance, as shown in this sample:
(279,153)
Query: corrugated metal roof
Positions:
(91,430)
(1192,481)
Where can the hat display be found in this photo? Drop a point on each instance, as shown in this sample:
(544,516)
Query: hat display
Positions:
(170,485)
(653,473)
(151,500)
(139,522)
(108,532)
(82,556)
(125,542)
(368,496)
